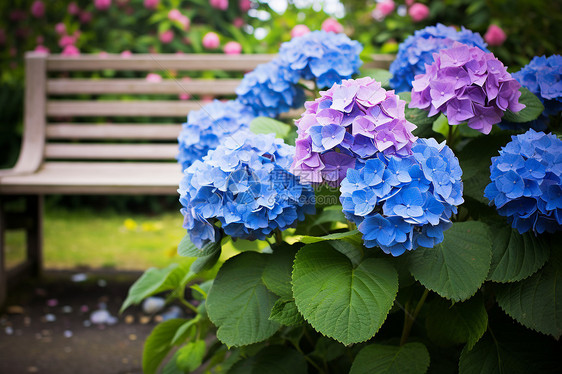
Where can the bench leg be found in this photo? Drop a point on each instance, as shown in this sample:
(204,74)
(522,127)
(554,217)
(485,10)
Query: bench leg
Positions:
(34,234)
(3,277)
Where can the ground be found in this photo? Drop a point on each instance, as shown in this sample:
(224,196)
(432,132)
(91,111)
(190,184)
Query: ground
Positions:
(31,344)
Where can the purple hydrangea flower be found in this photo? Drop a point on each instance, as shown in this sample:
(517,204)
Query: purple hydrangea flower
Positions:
(467,84)
(402,202)
(417,51)
(526,182)
(243,184)
(357,119)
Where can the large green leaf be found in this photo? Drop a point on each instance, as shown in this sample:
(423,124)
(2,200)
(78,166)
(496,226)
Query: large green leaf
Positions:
(277,272)
(458,323)
(457,267)
(536,302)
(286,313)
(153,281)
(274,359)
(380,75)
(205,262)
(190,356)
(345,302)
(265,125)
(353,236)
(533,108)
(187,249)
(515,256)
(239,304)
(158,344)
(411,358)
(418,117)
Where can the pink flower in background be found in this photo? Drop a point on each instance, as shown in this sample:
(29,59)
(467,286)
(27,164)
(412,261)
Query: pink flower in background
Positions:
(232,48)
(73,9)
(103,54)
(418,12)
(410,2)
(219,4)
(299,30)
(185,22)
(38,9)
(385,7)
(67,40)
(211,40)
(167,36)
(174,15)
(85,17)
(41,49)
(151,4)
(102,4)
(238,22)
(207,98)
(154,78)
(60,28)
(126,54)
(17,15)
(184,95)
(70,50)
(245,5)
(331,25)
(495,36)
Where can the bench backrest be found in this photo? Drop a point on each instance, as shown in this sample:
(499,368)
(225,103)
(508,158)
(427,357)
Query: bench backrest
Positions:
(75,118)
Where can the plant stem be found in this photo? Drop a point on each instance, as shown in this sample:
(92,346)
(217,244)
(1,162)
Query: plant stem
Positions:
(278,237)
(311,361)
(410,318)
(450,137)
(188,304)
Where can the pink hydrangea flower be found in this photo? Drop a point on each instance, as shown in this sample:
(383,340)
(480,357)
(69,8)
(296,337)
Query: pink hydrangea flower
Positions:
(103,54)
(151,4)
(67,40)
(410,2)
(299,30)
(126,54)
(245,5)
(60,28)
(184,22)
(385,7)
(174,15)
(167,36)
(102,4)
(332,25)
(70,50)
(238,22)
(73,9)
(418,12)
(219,4)
(38,9)
(495,36)
(85,17)
(232,48)
(42,49)
(153,78)
(211,40)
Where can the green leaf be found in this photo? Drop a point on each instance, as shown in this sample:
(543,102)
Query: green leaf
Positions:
(515,256)
(171,367)
(265,125)
(417,116)
(239,304)
(457,267)
(339,300)
(352,251)
(352,235)
(411,358)
(277,272)
(458,323)
(183,331)
(328,349)
(205,262)
(536,302)
(274,359)
(329,214)
(187,249)
(380,75)
(441,125)
(154,281)
(533,108)
(286,313)
(190,356)
(158,344)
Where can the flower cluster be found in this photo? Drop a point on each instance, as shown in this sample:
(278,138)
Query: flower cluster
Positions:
(417,51)
(526,182)
(356,119)
(244,185)
(401,203)
(543,77)
(205,128)
(326,57)
(271,89)
(467,83)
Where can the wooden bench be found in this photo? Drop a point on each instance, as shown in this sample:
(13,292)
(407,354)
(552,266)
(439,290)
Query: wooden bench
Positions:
(62,153)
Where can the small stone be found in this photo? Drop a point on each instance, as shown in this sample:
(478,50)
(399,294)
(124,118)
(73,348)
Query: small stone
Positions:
(15,309)
(158,318)
(99,316)
(79,277)
(38,336)
(153,305)
(9,330)
(87,323)
(67,334)
(47,339)
(125,360)
(52,303)
(26,321)
(144,320)
(84,309)
(46,332)
(129,319)
(32,369)
(132,337)
(67,309)
(102,282)
(67,349)
(50,317)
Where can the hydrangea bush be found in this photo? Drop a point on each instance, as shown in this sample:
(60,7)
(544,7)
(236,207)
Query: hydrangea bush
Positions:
(370,246)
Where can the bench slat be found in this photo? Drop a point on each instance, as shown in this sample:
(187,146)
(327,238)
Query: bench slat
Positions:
(147,62)
(152,108)
(111,151)
(108,131)
(142,86)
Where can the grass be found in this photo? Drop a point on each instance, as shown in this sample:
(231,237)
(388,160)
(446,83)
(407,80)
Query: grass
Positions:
(103,240)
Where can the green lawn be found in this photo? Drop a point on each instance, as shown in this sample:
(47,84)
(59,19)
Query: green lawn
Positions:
(97,240)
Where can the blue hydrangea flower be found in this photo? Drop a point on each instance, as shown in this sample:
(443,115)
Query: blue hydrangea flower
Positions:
(325,57)
(244,185)
(526,182)
(271,89)
(543,77)
(206,127)
(401,203)
(417,51)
